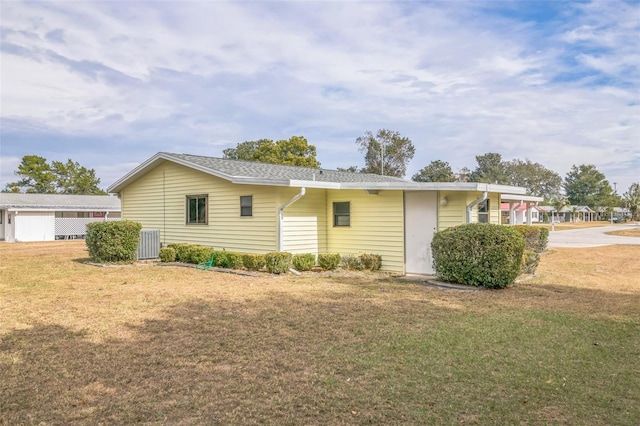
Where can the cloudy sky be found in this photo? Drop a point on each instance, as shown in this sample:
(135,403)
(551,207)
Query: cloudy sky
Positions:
(109,84)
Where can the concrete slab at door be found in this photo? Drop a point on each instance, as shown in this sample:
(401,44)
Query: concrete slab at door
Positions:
(421,222)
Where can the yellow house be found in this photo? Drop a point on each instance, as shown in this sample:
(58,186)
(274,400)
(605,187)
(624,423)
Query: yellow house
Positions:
(257,208)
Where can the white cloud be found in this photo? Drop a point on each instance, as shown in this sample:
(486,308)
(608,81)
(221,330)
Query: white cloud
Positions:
(460,80)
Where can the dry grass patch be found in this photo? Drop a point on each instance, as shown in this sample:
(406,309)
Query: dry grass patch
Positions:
(629,232)
(142,344)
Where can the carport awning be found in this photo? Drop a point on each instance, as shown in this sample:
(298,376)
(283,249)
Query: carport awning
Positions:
(520,198)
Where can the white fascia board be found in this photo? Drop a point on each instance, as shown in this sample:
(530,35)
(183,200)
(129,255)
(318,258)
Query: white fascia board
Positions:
(520,198)
(314,184)
(469,187)
(402,186)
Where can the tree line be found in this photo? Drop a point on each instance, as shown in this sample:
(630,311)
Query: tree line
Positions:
(386,152)
(40,177)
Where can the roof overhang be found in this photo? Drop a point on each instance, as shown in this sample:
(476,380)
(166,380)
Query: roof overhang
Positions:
(117,186)
(469,187)
(520,198)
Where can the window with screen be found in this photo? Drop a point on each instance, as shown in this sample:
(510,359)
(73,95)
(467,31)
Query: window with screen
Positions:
(197,209)
(342,214)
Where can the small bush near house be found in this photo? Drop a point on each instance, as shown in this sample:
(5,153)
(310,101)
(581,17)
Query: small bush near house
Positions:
(183,251)
(351,262)
(530,261)
(221,259)
(167,254)
(304,262)
(544,240)
(531,236)
(253,262)
(478,254)
(370,261)
(278,262)
(113,241)
(199,254)
(535,237)
(328,261)
(234,260)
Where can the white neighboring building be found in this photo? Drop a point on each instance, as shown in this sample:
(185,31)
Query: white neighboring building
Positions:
(48,217)
(519,209)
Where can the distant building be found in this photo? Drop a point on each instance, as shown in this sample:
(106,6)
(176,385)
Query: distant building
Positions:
(48,217)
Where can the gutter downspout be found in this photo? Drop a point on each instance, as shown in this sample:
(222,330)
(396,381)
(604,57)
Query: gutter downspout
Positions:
(472,204)
(281,214)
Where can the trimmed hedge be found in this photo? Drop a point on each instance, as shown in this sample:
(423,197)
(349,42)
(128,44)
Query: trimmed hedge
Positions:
(253,262)
(183,251)
(370,261)
(530,262)
(535,237)
(544,240)
(351,262)
(167,254)
(535,242)
(278,262)
(275,262)
(304,262)
(113,242)
(328,261)
(478,254)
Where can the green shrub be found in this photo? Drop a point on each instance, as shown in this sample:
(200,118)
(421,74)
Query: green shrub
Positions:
(221,259)
(535,237)
(183,251)
(478,254)
(530,261)
(370,261)
(234,260)
(544,240)
(328,261)
(531,236)
(167,254)
(278,262)
(113,241)
(304,262)
(351,262)
(199,254)
(253,262)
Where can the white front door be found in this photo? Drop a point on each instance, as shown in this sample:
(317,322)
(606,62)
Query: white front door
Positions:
(421,222)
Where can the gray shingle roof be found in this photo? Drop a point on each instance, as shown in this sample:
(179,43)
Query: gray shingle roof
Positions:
(249,172)
(250,169)
(59,202)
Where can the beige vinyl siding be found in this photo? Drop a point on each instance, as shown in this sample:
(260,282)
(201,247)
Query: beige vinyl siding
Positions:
(455,211)
(377,226)
(158,201)
(305,221)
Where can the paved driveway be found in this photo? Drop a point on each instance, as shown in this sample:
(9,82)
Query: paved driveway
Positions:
(591,237)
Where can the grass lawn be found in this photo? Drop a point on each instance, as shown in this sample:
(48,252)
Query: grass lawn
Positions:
(168,345)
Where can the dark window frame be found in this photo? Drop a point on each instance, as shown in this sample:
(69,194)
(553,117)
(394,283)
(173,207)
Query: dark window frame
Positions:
(340,216)
(200,219)
(246,209)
